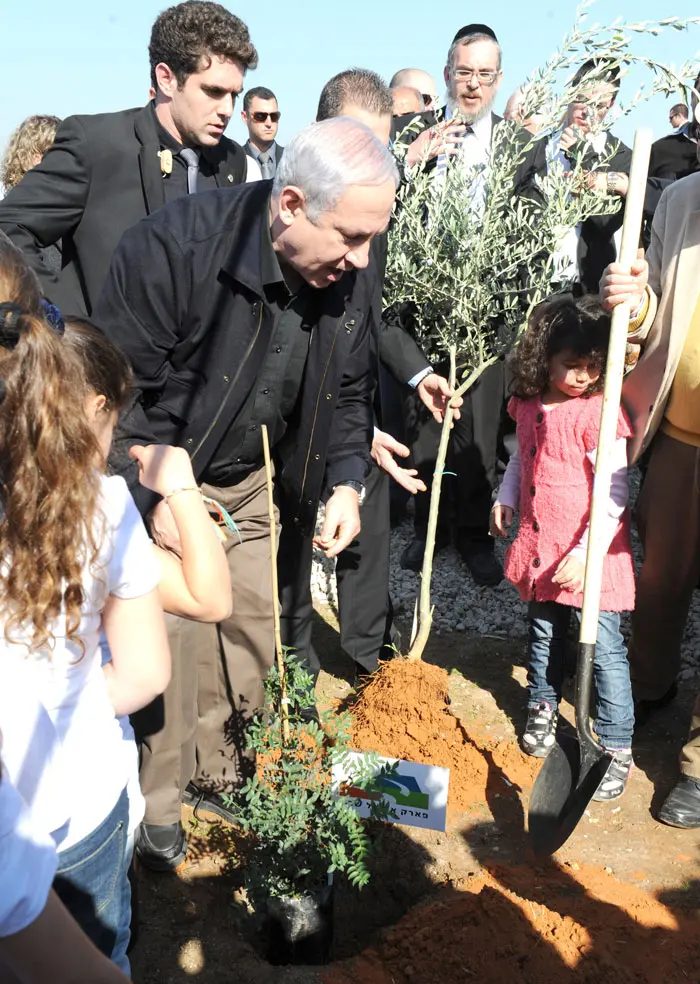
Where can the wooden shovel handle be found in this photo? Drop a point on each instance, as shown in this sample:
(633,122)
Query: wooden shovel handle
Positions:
(612,391)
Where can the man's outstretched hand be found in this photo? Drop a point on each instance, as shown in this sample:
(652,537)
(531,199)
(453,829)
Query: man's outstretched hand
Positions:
(384,447)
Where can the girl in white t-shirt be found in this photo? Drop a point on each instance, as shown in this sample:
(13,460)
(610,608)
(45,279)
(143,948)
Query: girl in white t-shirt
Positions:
(197,585)
(39,941)
(76,561)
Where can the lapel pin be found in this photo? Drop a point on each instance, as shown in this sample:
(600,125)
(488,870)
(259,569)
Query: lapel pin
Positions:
(230,178)
(166,161)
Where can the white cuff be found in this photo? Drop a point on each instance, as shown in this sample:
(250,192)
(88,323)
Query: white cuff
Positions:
(419,377)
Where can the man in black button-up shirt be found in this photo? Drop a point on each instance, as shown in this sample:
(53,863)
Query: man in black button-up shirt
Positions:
(274,396)
(239,308)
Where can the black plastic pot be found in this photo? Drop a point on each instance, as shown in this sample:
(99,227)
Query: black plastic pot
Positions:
(299,929)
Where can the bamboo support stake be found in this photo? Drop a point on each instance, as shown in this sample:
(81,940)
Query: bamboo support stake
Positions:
(284,709)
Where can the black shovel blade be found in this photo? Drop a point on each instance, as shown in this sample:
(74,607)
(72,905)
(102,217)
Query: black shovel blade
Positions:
(562,791)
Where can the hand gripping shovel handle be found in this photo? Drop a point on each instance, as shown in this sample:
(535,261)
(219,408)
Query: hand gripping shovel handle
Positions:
(574,768)
(608,434)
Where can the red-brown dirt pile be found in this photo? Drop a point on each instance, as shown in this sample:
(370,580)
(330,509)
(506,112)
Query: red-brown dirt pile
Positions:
(527,926)
(403,712)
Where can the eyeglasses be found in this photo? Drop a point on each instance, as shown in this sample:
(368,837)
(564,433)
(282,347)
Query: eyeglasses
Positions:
(428,99)
(483,77)
(261,117)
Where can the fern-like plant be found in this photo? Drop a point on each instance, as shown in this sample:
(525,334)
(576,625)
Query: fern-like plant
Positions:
(301,831)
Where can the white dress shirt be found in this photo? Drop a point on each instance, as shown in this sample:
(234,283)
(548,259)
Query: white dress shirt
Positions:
(566,257)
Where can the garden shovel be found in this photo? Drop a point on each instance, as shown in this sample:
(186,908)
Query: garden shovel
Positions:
(574,768)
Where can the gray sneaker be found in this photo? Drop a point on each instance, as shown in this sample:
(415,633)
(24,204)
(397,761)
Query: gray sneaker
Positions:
(540,731)
(614,782)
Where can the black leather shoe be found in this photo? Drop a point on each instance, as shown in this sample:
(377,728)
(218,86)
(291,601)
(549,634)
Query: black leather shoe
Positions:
(485,570)
(412,557)
(203,801)
(644,709)
(161,848)
(682,805)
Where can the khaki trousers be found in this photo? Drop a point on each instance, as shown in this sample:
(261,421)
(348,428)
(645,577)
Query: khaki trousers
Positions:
(668,517)
(196,730)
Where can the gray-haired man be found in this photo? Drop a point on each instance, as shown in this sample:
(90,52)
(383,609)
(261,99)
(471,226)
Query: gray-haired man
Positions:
(255,310)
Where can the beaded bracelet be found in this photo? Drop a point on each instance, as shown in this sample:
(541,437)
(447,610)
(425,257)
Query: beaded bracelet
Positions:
(189,488)
(225,520)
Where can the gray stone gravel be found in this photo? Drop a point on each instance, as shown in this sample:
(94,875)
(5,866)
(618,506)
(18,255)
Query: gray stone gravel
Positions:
(462,606)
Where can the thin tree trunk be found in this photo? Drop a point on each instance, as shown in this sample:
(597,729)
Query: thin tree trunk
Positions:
(425,608)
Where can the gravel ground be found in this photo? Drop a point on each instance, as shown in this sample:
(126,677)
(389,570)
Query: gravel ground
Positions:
(462,606)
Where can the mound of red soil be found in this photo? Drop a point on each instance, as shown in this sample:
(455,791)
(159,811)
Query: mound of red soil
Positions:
(403,712)
(528,926)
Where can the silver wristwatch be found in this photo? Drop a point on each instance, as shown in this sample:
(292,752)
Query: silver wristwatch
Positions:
(357,486)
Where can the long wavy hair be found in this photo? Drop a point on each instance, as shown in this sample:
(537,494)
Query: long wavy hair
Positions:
(49,485)
(562,323)
(26,147)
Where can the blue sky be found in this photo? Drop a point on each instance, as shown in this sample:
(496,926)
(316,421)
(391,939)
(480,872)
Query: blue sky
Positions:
(90,56)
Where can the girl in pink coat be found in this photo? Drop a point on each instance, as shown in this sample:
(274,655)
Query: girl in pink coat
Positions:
(558,370)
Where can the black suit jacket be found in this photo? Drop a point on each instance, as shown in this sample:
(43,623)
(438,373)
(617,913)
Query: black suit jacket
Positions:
(597,246)
(197,329)
(101,177)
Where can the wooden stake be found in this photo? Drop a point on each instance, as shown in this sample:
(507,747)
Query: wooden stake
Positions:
(284,709)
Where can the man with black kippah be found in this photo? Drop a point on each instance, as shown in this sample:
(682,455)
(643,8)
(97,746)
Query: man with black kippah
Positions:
(465,128)
(471,30)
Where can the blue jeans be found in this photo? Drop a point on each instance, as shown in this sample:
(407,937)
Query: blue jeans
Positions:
(92,883)
(548,625)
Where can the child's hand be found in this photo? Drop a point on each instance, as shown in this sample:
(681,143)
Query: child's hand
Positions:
(163,468)
(500,520)
(569,574)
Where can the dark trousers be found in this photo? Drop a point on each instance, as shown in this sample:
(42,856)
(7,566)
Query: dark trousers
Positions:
(362,573)
(472,456)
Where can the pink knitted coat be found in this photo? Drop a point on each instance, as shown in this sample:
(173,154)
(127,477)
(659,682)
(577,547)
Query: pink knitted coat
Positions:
(555,501)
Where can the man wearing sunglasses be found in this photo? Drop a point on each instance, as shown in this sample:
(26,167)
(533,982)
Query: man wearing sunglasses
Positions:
(261,115)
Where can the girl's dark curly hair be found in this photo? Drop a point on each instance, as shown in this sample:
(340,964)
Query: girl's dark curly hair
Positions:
(559,324)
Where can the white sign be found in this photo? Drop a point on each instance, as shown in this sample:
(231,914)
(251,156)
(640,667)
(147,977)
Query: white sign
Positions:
(416,794)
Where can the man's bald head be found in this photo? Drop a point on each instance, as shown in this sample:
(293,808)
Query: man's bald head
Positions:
(416,78)
(406,100)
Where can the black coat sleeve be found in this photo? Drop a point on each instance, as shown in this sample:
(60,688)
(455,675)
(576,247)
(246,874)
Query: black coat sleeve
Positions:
(350,440)
(396,348)
(48,203)
(399,352)
(141,310)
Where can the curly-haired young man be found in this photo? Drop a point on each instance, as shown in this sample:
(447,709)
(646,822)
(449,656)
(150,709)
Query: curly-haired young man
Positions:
(106,172)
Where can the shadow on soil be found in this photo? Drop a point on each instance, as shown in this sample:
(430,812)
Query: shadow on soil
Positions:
(193,926)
